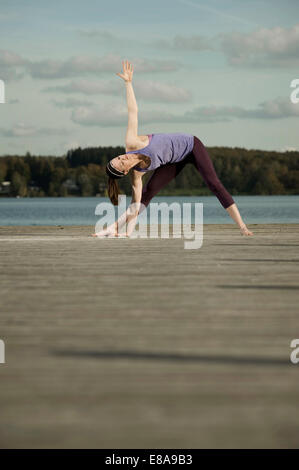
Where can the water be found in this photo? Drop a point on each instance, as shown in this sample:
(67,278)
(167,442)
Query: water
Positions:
(81,211)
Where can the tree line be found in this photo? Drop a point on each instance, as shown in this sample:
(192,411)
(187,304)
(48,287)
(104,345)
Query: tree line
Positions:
(81,172)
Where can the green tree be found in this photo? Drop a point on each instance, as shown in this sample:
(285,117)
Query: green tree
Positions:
(85,184)
(18,185)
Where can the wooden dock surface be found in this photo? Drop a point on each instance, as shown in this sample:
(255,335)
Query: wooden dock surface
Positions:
(140,343)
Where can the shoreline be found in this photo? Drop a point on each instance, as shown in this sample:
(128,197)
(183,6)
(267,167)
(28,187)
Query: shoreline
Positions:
(211,227)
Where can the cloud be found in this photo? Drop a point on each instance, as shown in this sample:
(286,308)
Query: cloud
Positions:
(274,47)
(161,92)
(24,130)
(82,65)
(191,43)
(179,42)
(263,47)
(88,87)
(9,74)
(104,116)
(10,59)
(71,103)
(289,149)
(19,130)
(116,115)
(278,108)
(10,62)
(76,66)
(100,34)
(146,90)
(71,145)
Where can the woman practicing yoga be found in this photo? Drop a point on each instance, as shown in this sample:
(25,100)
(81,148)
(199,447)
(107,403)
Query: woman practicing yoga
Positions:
(166,154)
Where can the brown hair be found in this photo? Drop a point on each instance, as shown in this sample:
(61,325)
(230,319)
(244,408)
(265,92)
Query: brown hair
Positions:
(113,191)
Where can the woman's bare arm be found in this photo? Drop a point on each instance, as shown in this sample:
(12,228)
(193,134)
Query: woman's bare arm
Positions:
(131,100)
(127,76)
(132,129)
(129,217)
(134,206)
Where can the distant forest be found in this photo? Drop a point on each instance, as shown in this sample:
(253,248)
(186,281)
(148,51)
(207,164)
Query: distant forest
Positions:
(81,172)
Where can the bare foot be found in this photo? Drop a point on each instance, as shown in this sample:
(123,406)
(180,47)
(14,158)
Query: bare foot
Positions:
(110,235)
(100,235)
(245,231)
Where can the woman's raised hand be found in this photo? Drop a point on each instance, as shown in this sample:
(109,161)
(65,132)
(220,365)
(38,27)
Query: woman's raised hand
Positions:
(127,74)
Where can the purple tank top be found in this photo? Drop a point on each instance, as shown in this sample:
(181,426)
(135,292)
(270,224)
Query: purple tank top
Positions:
(166,148)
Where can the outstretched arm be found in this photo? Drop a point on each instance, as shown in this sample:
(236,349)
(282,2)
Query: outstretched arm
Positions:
(129,217)
(127,76)
(132,129)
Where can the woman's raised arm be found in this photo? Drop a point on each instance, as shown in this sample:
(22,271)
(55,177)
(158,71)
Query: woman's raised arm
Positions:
(132,129)
(127,76)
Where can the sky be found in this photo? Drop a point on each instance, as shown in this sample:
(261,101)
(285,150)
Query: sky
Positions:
(217,69)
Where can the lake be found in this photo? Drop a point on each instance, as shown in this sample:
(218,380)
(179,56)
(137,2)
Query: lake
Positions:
(81,211)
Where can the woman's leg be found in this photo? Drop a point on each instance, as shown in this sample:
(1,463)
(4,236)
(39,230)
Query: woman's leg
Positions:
(206,168)
(159,179)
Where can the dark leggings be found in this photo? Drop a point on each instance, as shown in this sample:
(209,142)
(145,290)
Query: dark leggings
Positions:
(203,163)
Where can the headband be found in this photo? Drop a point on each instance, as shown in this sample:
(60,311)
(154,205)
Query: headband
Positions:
(113,172)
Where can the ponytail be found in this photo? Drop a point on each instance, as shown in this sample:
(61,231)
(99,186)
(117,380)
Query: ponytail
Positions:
(113,191)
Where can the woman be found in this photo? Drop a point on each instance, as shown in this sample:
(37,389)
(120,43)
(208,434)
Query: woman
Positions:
(166,154)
